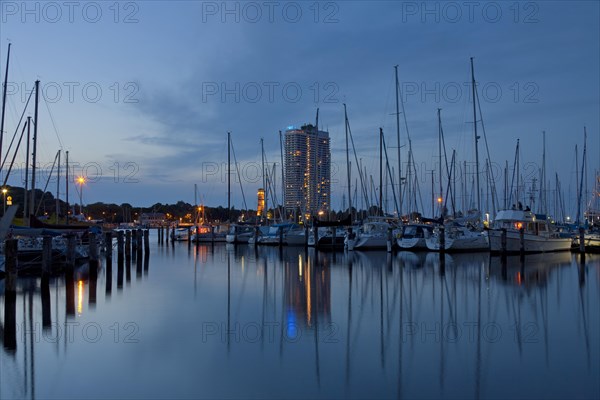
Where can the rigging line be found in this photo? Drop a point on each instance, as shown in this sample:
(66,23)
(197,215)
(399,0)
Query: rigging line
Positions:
(387,164)
(14,156)
(237,168)
(17,129)
(47,182)
(53,123)
(513,175)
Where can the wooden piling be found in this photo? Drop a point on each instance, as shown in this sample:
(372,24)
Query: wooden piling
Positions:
(93,248)
(108,276)
(11,248)
(71,250)
(146,262)
(134,241)
(46,255)
(582,240)
(127,244)
(108,245)
(212,234)
(120,246)
(120,269)
(316,233)
(140,240)
(189,235)
(147,241)
(389,240)
(158,236)
(442,239)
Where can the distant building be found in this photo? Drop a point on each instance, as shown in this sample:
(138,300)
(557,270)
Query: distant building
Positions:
(307,170)
(152,219)
(260,209)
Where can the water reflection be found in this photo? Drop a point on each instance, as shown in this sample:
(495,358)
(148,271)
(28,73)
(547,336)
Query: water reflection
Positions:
(290,322)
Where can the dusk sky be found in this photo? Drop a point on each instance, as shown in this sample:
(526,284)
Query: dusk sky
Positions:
(142,93)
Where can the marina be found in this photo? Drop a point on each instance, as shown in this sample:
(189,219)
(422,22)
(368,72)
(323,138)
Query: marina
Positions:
(188,321)
(390,200)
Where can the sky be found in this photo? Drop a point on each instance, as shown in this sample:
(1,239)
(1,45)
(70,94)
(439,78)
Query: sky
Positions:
(143,93)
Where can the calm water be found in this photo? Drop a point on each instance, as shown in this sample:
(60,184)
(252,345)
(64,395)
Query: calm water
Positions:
(229,322)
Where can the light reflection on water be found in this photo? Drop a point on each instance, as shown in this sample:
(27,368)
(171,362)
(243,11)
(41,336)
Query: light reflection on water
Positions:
(224,321)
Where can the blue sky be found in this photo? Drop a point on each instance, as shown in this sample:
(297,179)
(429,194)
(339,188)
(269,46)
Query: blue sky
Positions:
(142,93)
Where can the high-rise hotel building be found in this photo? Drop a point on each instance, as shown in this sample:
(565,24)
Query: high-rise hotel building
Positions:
(307,170)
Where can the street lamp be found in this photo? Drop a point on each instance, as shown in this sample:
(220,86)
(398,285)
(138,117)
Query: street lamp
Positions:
(80,181)
(4,191)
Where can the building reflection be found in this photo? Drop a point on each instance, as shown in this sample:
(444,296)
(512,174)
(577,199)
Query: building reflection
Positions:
(307,290)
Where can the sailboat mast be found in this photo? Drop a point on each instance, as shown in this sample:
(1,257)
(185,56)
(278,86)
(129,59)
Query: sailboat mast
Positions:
(67,184)
(26,196)
(580,188)
(398,140)
(197,215)
(439,110)
(432,194)
(518,170)
(228,176)
(316,166)
(543,203)
(35,129)
(476,137)
(58,187)
(262,149)
(348,169)
(4,101)
(282,176)
(381,171)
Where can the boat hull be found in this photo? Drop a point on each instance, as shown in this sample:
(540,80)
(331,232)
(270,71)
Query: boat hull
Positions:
(532,243)
(412,244)
(474,243)
(238,238)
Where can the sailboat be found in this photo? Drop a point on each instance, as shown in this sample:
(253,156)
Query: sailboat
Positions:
(459,234)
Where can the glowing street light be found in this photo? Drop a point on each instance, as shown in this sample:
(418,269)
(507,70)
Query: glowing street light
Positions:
(4,191)
(80,181)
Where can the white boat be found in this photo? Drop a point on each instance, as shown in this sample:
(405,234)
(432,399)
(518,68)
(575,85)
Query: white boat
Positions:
(210,233)
(539,235)
(239,233)
(371,236)
(181,234)
(458,238)
(277,234)
(591,242)
(414,236)
(327,239)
